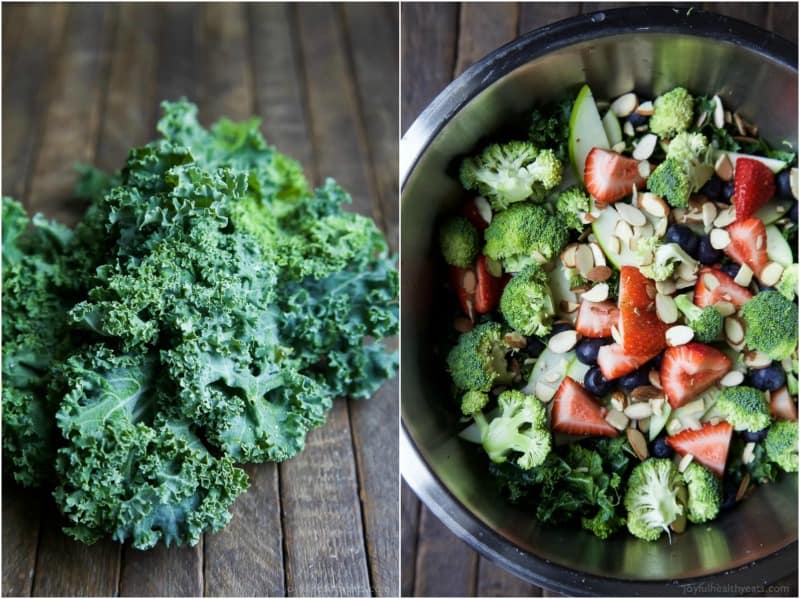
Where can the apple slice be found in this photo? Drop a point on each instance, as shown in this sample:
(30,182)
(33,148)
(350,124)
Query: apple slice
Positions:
(612,128)
(585,130)
(772,164)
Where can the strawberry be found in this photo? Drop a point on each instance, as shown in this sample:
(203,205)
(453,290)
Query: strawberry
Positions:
(575,412)
(472,213)
(614,362)
(609,176)
(688,370)
(726,290)
(748,244)
(709,445)
(753,186)
(782,406)
(641,330)
(489,289)
(463,282)
(595,319)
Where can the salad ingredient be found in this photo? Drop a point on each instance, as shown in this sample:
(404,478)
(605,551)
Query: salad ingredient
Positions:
(572,205)
(706,322)
(781,444)
(609,176)
(673,113)
(714,286)
(524,234)
(615,362)
(473,401)
(788,284)
(526,303)
(489,287)
(769,378)
(641,331)
(595,319)
(685,171)
(595,383)
(550,128)
(707,445)
(478,361)
(705,493)
(588,349)
(684,237)
(688,370)
(575,412)
(652,500)
(744,407)
(754,186)
(658,261)
(781,405)
(586,131)
(748,244)
(459,241)
(771,325)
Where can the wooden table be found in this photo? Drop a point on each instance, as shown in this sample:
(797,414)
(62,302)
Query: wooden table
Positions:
(83,82)
(439,42)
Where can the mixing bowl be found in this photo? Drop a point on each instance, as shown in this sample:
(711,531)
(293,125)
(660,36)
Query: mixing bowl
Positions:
(650,50)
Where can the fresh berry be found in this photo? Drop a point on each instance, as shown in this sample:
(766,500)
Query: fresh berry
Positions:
(637,120)
(756,437)
(462,280)
(709,445)
(609,176)
(769,378)
(587,349)
(782,406)
(754,186)
(783,184)
(688,370)
(575,412)
(489,289)
(727,191)
(614,362)
(638,378)
(731,269)
(595,319)
(706,253)
(684,237)
(793,213)
(640,328)
(660,448)
(473,214)
(712,188)
(596,383)
(725,291)
(560,327)
(748,244)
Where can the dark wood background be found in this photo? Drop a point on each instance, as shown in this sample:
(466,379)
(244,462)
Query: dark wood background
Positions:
(439,41)
(83,82)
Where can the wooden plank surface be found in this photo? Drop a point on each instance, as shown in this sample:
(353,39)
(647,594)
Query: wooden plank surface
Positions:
(89,90)
(438,43)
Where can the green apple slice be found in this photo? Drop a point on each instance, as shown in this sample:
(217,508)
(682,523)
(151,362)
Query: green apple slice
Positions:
(585,130)
(773,210)
(778,248)
(612,128)
(772,164)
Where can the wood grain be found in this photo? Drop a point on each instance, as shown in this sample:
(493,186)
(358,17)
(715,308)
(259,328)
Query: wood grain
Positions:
(438,553)
(534,15)
(494,581)
(409,514)
(179,69)
(484,26)
(21,513)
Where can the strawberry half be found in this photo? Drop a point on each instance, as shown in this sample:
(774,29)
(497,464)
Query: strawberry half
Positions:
(726,290)
(688,370)
(640,328)
(709,445)
(614,362)
(748,244)
(472,213)
(781,405)
(753,186)
(489,289)
(595,319)
(575,412)
(609,176)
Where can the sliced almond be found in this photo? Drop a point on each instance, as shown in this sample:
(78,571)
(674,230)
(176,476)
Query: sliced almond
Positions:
(644,149)
(568,307)
(723,167)
(657,405)
(515,340)
(666,287)
(661,227)
(793,181)
(734,331)
(624,105)
(544,392)
(562,342)
(743,487)
(757,359)
(725,308)
(584,259)
(613,244)
(568,255)
(618,400)
(646,393)
(655,379)
(469,282)
(627,129)
(687,270)
(679,335)
(710,281)
(771,274)
(623,230)
(484,209)
(674,426)
(643,424)
(597,252)
(744,276)
(645,109)
(666,309)
(599,274)
(725,217)
(733,379)
(709,214)
(620,146)
(719,112)
(719,239)
(598,293)
(737,120)
(463,325)
(685,461)
(631,214)
(638,443)
(684,283)
(644,169)
(748,453)
(617,419)
(654,204)
(615,335)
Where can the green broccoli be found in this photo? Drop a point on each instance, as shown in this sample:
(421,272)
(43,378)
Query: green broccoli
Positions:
(658,260)
(706,322)
(520,427)
(511,172)
(705,493)
(787,286)
(550,127)
(460,241)
(478,361)
(672,113)
(571,204)
(745,408)
(671,181)
(473,401)
(781,444)
(526,302)
(524,234)
(771,324)
(686,169)
(652,499)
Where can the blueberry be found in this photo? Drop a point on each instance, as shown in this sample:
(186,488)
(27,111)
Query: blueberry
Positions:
(656,362)
(768,379)
(684,237)
(596,383)
(587,349)
(783,185)
(764,287)
(793,212)
(713,188)
(706,254)
(727,190)
(637,378)
(637,120)
(729,490)
(660,448)
(560,327)
(755,437)
(534,347)
(731,269)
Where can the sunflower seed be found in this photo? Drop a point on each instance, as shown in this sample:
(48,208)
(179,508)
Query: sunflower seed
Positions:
(598,293)
(562,342)
(631,214)
(719,112)
(638,443)
(624,105)
(617,419)
(734,331)
(684,463)
(584,259)
(719,239)
(666,309)
(744,276)
(723,167)
(644,149)
(679,335)
(728,117)
(725,217)
(771,274)
(733,379)
(737,120)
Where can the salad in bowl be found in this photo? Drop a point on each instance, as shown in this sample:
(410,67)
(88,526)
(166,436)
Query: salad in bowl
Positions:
(624,349)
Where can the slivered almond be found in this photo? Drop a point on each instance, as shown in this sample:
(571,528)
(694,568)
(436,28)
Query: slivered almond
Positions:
(661,226)
(725,308)
(653,204)
(655,379)
(666,309)
(619,147)
(644,149)
(687,270)
(617,419)
(733,379)
(624,105)
(658,405)
(709,214)
(568,255)
(719,112)
(757,359)
(562,342)
(759,242)
(723,167)
(623,230)
(684,283)
(737,120)
(710,281)
(719,238)
(615,334)
(544,392)
(679,335)
(666,287)
(743,487)
(685,461)
(599,274)
(646,393)
(639,410)
(650,290)
(645,108)
(515,340)
(484,209)
(644,168)
(463,325)
(468,282)
(584,259)
(734,331)
(631,214)
(613,244)
(618,400)
(638,443)
(771,274)
(744,276)
(598,293)
(627,129)
(725,217)
(701,120)
(597,253)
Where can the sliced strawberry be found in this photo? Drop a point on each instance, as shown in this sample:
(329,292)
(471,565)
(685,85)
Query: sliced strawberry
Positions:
(748,244)
(641,330)
(708,445)
(575,412)
(473,214)
(595,319)
(609,176)
(614,362)
(753,186)
(725,291)
(782,406)
(688,370)
(463,282)
(489,289)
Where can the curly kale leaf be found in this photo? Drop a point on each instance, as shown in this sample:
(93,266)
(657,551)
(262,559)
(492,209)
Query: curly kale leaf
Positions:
(550,127)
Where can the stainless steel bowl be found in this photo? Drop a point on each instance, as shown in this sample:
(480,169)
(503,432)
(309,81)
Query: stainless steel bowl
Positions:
(650,50)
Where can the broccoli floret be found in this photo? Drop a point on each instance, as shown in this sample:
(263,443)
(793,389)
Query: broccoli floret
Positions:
(787,286)
(460,241)
(781,444)
(550,127)
(652,499)
(705,493)
(524,234)
(689,148)
(745,408)
(706,322)
(658,260)
(473,401)
(671,181)
(571,204)
(672,113)
(526,302)
(520,427)
(685,170)
(478,361)
(511,172)
(771,324)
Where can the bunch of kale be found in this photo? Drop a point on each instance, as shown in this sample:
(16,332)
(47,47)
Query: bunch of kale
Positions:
(205,312)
